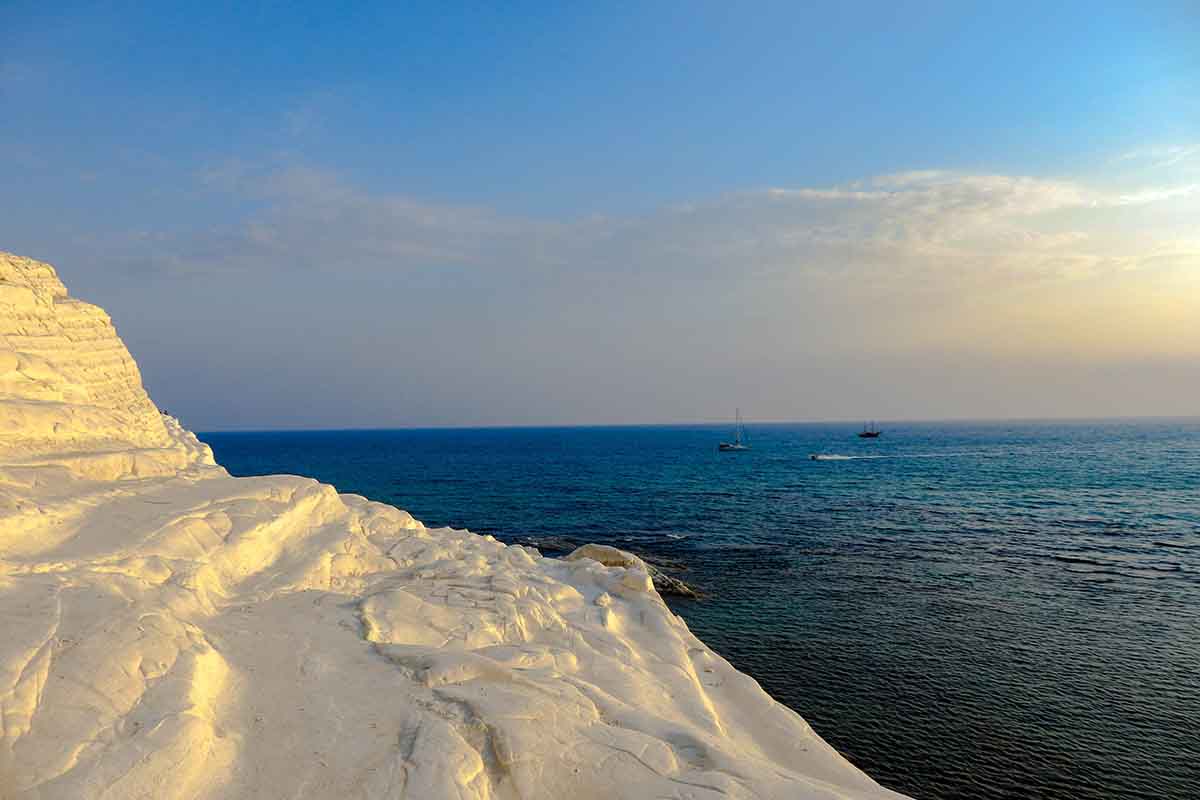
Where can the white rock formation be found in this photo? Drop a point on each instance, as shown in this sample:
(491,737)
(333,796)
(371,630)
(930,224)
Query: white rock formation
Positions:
(168,631)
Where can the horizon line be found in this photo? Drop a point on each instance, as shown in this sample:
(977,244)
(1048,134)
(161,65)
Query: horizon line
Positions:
(683,424)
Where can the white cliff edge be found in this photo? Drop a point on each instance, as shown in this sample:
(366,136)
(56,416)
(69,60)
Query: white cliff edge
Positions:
(168,631)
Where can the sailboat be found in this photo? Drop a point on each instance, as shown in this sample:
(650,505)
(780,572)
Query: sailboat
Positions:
(739,437)
(871,432)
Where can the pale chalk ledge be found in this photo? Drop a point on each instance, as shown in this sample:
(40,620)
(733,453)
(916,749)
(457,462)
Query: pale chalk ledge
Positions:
(168,631)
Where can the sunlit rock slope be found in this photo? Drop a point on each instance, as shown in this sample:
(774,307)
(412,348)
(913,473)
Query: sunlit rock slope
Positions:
(168,631)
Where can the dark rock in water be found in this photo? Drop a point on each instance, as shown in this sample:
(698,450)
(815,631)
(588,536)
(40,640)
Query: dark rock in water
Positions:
(548,545)
(660,570)
(667,585)
(666,564)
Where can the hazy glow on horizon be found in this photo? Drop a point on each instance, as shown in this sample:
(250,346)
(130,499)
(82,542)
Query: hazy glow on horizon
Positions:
(268,276)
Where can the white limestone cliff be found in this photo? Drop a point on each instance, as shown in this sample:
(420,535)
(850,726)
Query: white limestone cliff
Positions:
(168,631)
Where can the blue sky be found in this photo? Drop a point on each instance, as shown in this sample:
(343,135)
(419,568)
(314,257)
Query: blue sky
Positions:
(453,214)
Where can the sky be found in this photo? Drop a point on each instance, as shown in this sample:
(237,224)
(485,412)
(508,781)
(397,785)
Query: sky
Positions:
(315,215)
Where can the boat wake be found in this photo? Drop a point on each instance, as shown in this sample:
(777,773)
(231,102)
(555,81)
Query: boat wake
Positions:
(840,457)
(836,457)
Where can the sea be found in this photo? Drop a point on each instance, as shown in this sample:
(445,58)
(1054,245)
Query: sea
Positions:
(965,610)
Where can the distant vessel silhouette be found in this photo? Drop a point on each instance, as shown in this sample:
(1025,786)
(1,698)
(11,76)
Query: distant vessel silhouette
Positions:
(739,437)
(870,432)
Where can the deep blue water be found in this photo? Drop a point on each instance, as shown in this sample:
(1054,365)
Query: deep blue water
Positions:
(991,610)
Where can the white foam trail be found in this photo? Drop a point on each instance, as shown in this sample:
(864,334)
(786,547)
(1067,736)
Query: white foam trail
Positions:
(836,457)
(840,457)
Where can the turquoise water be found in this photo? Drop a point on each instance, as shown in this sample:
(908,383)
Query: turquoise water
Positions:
(991,610)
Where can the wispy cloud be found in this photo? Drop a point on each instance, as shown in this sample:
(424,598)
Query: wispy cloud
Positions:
(1162,156)
(1155,195)
(919,242)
